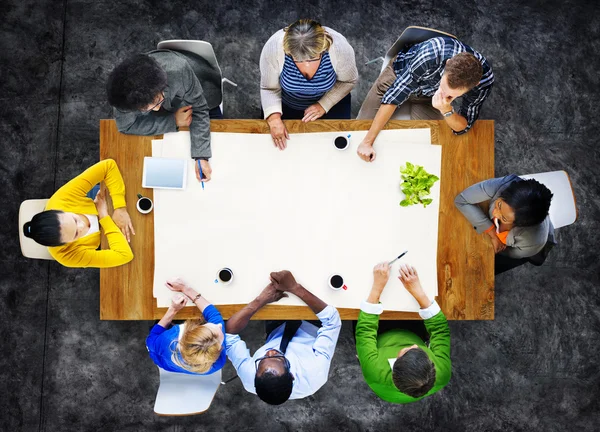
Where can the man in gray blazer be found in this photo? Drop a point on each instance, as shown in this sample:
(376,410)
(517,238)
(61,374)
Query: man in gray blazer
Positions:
(160,92)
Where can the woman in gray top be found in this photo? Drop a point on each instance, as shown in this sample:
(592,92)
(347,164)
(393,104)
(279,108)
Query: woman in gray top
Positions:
(517,222)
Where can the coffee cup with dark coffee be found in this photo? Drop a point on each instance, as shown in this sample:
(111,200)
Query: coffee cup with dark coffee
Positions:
(144,204)
(341,142)
(336,282)
(225,276)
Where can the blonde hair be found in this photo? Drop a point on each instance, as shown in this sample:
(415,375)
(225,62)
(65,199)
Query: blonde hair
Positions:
(305,39)
(198,346)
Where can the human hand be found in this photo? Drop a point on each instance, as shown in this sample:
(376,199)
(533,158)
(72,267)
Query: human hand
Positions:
(443,105)
(278,130)
(206,170)
(177,285)
(178,302)
(410,279)
(313,113)
(381,275)
(100,203)
(284,280)
(183,116)
(497,244)
(270,295)
(366,152)
(123,221)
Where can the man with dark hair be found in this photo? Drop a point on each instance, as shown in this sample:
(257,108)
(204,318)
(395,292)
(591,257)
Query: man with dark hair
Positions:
(395,360)
(294,362)
(160,92)
(431,75)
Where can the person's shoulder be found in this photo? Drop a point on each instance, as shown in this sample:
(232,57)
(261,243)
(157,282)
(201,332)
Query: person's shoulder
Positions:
(276,38)
(169,60)
(335,35)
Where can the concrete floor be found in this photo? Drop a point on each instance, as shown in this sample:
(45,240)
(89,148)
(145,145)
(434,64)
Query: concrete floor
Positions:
(532,369)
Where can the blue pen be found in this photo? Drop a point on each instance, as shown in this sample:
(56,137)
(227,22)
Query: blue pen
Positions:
(200,169)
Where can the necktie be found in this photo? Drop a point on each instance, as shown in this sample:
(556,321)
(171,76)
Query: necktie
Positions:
(290,329)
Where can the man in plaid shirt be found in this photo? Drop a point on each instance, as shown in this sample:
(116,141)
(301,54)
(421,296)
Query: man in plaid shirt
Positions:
(431,75)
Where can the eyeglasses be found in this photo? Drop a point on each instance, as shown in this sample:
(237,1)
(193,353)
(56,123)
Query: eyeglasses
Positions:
(309,60)
(280,355)
(156,105)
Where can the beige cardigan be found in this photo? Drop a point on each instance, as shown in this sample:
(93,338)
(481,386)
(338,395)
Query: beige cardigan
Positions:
(272,59)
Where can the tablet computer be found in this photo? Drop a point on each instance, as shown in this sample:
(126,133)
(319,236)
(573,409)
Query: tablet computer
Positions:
(164,173)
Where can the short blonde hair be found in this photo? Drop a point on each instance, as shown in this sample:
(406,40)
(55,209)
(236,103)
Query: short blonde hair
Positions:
(198,346)
(305,39)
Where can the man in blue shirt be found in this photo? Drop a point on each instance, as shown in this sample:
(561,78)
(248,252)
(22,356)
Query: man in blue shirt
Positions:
(294,362)
(431,75)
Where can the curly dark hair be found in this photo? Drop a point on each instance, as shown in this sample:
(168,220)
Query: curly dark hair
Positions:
(530,201)
(272,388)
(135,83)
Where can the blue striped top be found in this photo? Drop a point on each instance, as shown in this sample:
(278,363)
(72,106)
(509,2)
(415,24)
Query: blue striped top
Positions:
(298,92)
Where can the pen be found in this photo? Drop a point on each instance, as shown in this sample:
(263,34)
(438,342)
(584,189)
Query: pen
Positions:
(200,169)
(397,258)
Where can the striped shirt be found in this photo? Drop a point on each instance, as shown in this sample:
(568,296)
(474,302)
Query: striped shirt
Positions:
(419,71)
(298,92)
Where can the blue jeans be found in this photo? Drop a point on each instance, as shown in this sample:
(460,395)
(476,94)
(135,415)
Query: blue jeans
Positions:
(92,193)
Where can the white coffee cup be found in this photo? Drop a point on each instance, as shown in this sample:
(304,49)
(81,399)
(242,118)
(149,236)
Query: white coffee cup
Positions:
(142,204)
(224,276)
(341,142)
(336,282)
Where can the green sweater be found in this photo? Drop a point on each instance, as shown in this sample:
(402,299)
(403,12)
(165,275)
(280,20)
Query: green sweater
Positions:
(374,352)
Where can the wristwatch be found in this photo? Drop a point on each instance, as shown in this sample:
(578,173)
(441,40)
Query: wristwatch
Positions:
(449,113)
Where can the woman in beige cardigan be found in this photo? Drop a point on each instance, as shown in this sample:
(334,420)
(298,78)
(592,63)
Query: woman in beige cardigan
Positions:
(306,72)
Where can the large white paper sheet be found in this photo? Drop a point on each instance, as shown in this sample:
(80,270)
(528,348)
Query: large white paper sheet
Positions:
(311,209)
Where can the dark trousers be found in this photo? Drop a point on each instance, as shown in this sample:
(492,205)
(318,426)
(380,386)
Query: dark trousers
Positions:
(340,111)
(503,263)
(215,113)
(415,326)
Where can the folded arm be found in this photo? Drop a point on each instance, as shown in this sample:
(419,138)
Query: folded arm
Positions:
(483,191)
(200,126)
(137,123)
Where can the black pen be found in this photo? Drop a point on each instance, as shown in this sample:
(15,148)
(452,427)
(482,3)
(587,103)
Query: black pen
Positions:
(397,258)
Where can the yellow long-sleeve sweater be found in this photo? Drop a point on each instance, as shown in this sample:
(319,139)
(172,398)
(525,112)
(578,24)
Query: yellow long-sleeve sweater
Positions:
(72,198)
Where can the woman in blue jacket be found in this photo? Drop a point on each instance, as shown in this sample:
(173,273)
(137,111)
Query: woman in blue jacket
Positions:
(194,347)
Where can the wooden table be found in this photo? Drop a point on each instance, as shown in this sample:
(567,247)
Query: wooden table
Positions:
(465,260)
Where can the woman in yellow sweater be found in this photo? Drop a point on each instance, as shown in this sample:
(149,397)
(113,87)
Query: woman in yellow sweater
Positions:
(70,225)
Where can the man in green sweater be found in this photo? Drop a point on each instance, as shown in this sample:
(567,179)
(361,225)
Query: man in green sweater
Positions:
(397,364)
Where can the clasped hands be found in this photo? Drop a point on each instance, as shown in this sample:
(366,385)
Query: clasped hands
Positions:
(282,282)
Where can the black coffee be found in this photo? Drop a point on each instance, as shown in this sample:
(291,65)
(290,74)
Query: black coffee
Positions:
(145,204)
(341,142)
(225,275)
(337,281)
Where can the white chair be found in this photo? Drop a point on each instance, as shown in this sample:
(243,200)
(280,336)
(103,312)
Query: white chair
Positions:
(202,49)
(410,36)
(29,248)
(563,209)
(182,394)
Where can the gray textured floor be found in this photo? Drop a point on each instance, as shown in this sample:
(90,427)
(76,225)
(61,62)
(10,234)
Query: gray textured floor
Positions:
(534,368)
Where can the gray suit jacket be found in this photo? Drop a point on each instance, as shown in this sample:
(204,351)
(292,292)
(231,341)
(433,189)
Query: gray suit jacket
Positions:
(183,88)
(522,242)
